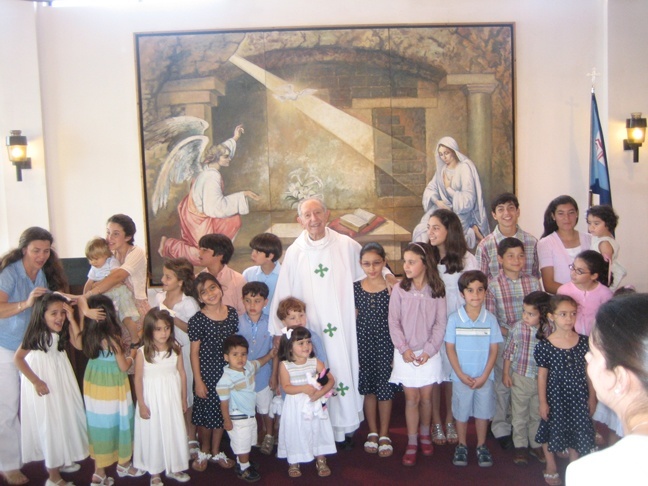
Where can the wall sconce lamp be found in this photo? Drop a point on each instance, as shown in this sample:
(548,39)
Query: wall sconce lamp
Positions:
(17,148)
(636,127)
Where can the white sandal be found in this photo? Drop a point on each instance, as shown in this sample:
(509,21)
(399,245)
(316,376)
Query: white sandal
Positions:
(181,477)
(194,448)
(105,481)
(385,449)
(370,446)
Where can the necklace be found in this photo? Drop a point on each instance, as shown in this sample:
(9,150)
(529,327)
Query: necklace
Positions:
(645,422)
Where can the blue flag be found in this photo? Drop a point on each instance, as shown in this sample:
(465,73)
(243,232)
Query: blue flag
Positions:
(599,176)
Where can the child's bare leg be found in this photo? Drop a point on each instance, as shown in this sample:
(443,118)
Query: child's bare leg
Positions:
(216,437)
(481,427)
(551,467)
(205,435)
(462,431)
(412,400)
(275,430)
(425,404)
(191,428)
(384,412)
(436,403)
(573,455)
(447,390)
(268,423)
(370,405)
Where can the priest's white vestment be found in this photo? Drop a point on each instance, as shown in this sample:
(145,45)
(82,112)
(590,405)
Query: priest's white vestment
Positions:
(321,273)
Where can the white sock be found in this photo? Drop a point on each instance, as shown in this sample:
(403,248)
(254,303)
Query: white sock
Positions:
(243,465)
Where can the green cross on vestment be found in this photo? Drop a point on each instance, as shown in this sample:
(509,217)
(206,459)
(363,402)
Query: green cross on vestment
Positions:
(341,389)
(330,329)
(321,270)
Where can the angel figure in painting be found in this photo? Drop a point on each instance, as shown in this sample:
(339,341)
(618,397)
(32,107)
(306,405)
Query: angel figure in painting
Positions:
(206,209)
(455,186)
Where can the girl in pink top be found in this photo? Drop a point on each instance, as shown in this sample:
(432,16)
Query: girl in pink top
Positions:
(417,322)
(588,287)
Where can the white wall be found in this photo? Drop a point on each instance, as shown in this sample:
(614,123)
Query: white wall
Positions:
(88,85)
(22,204)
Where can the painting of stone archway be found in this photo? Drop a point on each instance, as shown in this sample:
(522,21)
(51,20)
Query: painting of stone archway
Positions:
(237,126)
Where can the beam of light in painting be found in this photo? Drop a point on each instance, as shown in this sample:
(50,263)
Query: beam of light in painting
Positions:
(355,133)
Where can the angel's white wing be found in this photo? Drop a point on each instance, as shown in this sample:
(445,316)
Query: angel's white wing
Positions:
(170,130)
(182,164)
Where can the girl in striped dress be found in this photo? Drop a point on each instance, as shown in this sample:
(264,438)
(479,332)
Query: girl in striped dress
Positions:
(107,395)
(303,436)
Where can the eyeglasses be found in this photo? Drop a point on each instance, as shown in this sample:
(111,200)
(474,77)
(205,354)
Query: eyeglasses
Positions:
(578,271)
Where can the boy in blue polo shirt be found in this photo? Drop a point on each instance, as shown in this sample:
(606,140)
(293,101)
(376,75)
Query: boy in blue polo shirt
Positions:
(238,400)
(472,336)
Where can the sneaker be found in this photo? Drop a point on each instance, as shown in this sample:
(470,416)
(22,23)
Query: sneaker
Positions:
(250,475)
(506,442)
(460,457)
(521,456)
(538,453)
(484,458)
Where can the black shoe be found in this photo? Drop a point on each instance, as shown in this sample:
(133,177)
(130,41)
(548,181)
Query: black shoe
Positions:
(250,475)
(506,442)
(346,445)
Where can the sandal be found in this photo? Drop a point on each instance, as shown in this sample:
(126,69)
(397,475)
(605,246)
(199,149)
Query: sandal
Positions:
(267,445)
(14,477)
(181,477)
(103,481)
(385,448)
(371,446)
(322,468)
(156,481)
(294,471)
(60,482)
(552,479)
(194,448)
(409,459)
(125,471)
(437,435)
(451,433)
(200,463)
(427,449)
(222,460)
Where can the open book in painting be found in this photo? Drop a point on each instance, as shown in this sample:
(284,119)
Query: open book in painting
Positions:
(358,220)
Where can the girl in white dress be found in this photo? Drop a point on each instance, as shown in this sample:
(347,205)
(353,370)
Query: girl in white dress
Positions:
(303,436)
(161,387)
(53,422)
(178,297)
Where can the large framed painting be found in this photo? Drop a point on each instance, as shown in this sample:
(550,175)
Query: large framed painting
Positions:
(385,123)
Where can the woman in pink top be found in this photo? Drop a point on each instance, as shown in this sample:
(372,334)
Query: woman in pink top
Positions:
(417,322)
(560,242)
(120,234)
